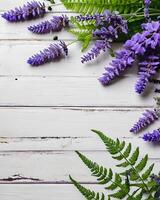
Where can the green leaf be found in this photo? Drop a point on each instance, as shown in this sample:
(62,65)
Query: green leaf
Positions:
(141,165)
(134,156)
(118,195)
(147,173)
(127,152)
(87,193)
(139,196)
(124,164)
(116,182)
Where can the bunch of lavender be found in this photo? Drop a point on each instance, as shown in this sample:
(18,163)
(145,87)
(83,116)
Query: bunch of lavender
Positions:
(54,25)
(108,26)
(143,47)
(52,53)
(29,11)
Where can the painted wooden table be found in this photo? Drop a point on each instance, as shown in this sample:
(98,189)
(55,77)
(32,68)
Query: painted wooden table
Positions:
(47,112)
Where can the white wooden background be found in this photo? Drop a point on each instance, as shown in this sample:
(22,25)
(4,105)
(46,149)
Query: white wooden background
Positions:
(46,113)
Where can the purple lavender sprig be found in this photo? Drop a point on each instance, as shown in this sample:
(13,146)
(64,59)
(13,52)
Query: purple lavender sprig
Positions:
(100,45)
(108,27)
(54,25)
(148,68)
(124,59)
(149,116)
(31,10)
(152,137)
(52,53)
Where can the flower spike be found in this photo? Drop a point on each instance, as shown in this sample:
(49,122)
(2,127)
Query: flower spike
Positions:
(29,11)
(54,25)
(52,53)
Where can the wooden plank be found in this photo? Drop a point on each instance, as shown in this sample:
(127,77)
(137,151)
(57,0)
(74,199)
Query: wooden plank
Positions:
(41,128)
(41,192)
(77,122)
(70,144)
(69,91)
(53,166)
(70,66)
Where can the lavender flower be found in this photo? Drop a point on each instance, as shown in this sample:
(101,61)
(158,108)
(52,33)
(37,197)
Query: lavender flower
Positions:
(147,69)
(108,27)
(52,53)
(148,118)
(100,45)
(152,137)
(54,25)
(124,59)
(29,11)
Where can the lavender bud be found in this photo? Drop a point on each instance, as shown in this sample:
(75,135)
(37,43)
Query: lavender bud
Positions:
(100,45)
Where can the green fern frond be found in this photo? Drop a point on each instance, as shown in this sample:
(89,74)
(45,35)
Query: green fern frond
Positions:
(118,151)
(105,176)
(87,193)
(135,183)
(98,6)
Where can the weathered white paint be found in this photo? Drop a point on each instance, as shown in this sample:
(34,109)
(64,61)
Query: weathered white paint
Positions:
(47,112)
(70,91)
(77,121)
(54,166)
(41,192)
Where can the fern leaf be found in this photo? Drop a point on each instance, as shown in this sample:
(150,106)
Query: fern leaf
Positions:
(141,165)
(103,177)
(118,195)
(139,196)
(124,164)
(114,185)
(88,194)
(147,173)
(127,152)
(134,157)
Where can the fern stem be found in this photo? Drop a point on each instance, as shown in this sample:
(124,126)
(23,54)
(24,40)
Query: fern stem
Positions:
(72,43)
(58,4)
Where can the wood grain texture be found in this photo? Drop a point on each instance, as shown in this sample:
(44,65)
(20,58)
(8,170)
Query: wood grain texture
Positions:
(46,113)
(69,91)
(41,192)
(54,166)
